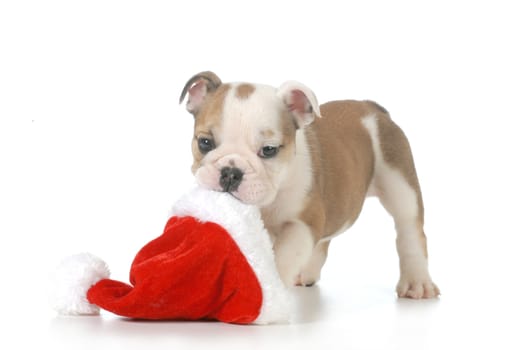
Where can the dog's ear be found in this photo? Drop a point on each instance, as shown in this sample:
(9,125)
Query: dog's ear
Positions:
(198,87)
(300,101)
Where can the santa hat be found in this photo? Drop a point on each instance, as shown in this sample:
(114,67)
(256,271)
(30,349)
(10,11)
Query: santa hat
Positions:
(214,260)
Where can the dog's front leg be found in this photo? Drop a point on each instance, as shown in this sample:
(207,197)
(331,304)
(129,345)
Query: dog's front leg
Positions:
(292,248)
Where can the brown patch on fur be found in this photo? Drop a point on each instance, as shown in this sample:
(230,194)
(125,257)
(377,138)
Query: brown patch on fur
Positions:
(288,142)
(287,127)
(244,91)
(267,134)
(208,121)
(343,165)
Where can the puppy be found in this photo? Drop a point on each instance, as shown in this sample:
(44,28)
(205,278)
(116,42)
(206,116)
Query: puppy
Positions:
(269,147)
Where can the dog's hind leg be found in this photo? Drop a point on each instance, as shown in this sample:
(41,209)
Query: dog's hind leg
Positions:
(396,185)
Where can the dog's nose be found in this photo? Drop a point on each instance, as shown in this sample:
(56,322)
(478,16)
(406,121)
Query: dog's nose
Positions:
(230,178)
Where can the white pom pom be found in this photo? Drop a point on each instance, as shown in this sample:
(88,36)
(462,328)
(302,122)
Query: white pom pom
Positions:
(71,281)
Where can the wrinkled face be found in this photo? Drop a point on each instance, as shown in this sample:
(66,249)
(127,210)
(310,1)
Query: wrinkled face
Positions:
(244,140)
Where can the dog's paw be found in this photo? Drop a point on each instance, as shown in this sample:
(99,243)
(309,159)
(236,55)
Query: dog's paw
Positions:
(417,288)
(306,280)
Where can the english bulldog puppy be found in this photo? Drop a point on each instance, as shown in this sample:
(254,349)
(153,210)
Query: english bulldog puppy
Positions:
(309,168)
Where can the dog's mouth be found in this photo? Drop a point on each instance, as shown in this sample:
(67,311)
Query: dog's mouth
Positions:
(239,196)
(247,187)
(236,196)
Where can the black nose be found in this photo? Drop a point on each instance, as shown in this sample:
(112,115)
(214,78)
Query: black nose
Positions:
(230,178)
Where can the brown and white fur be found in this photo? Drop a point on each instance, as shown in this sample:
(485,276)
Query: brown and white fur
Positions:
(309,175)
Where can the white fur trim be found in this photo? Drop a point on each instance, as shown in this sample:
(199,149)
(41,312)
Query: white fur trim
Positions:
(71,281)
(243,222)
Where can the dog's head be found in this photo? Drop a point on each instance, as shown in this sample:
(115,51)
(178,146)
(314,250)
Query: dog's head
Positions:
(245,134)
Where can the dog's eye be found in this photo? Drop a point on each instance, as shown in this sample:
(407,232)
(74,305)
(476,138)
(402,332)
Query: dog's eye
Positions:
(268,151)
(205,145)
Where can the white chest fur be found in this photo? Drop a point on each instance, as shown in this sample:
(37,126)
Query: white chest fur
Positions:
(294,187)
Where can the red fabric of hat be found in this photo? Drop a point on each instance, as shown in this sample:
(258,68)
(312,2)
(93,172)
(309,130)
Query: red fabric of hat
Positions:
(194,270)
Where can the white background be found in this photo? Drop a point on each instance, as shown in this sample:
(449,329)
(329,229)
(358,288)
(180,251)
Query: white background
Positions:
(94,148)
